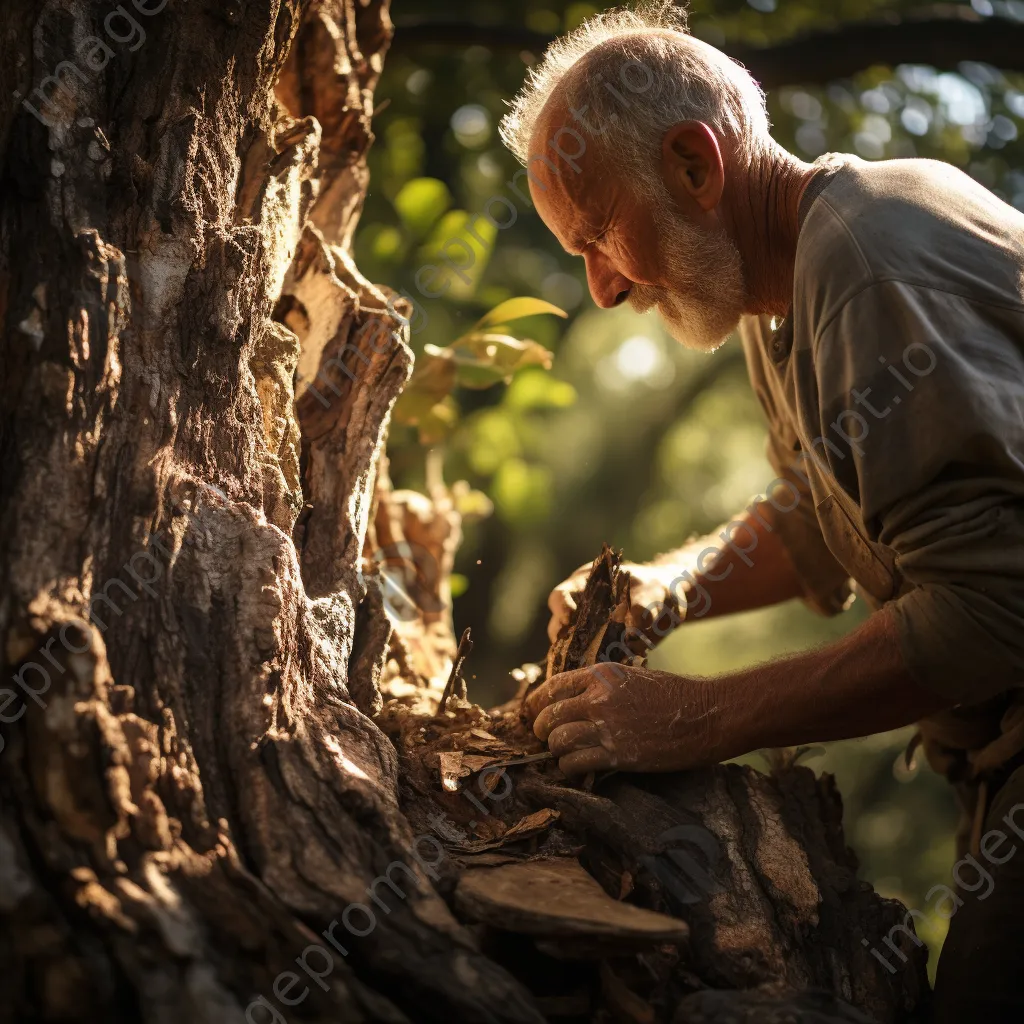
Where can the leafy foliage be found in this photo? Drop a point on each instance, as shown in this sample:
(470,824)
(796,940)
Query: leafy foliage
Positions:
(485,355)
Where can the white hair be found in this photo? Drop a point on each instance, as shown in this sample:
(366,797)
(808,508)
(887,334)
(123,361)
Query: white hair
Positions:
(637,73)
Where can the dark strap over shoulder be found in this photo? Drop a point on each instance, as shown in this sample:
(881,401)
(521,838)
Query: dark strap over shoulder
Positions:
(827,167)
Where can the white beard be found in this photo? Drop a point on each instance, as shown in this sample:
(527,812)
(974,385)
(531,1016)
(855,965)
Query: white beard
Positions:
(708,295)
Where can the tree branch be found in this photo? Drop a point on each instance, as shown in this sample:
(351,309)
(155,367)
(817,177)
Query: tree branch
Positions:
(942,36)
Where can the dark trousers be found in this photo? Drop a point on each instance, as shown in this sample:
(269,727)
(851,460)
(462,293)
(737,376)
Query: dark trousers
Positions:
(980,976)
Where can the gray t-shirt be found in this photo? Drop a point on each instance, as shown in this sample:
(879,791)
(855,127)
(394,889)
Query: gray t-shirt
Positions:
(894,392)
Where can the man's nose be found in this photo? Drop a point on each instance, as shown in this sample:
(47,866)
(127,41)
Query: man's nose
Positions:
(607,286)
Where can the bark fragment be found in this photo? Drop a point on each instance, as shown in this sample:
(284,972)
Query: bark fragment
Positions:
(556,898)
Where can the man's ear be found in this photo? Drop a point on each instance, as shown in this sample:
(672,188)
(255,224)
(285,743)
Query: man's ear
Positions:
(692,163)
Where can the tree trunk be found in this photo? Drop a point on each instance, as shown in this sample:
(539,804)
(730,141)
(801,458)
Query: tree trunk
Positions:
(201,584)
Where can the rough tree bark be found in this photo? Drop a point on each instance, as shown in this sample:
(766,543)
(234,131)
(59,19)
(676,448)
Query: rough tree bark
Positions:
(216,741)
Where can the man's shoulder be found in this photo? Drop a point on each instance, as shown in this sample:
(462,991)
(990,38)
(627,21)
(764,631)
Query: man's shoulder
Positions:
(888,203)
(921,222)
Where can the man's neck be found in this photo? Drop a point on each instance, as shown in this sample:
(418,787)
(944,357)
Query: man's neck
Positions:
(764,221)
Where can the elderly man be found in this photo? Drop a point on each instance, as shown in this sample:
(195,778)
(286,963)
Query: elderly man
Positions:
(881,310)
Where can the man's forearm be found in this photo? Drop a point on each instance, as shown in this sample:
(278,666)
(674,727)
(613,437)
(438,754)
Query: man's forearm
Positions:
(752,571)
(854,687)
(639,719)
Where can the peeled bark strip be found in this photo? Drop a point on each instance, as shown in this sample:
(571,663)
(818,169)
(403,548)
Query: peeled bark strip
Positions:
(555,898)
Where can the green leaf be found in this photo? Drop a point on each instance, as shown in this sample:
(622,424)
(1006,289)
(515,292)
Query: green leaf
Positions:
(516,309)
(522,492)
(478,376)
(499,353)
(472,505)
(420,202)
(387,243)
(493,439)
(461,250)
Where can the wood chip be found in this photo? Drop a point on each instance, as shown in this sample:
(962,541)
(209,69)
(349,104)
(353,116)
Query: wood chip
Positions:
(483,742)
(544,755)
(625,885)
(456,685)
(490,828)
(498,835)
(494,750)
(488,859)
(491,780)
(626,1004)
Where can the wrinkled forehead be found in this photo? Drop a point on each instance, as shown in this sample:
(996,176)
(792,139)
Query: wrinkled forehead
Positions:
(562,143)
(566,171)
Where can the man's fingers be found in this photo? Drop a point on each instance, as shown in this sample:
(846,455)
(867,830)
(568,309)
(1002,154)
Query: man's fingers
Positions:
(561,600)
(565,684)
(591,759)
(573,709)
(562,604)
(554,627)
(573,736)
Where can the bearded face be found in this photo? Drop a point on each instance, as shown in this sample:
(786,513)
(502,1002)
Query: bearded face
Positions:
(706,299)
(641,242)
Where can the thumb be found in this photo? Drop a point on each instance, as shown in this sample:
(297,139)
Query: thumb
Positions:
(562,604)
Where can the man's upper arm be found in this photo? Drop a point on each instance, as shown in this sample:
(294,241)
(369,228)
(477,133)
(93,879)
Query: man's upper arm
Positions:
(922,393)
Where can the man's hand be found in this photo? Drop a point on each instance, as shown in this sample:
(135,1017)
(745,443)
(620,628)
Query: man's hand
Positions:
(648,586)
(704,578)
(613,716)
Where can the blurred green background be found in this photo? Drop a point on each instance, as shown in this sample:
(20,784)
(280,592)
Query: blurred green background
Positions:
(630,439)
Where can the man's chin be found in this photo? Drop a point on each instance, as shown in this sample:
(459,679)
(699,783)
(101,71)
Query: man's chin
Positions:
(699,337)
(700,327)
